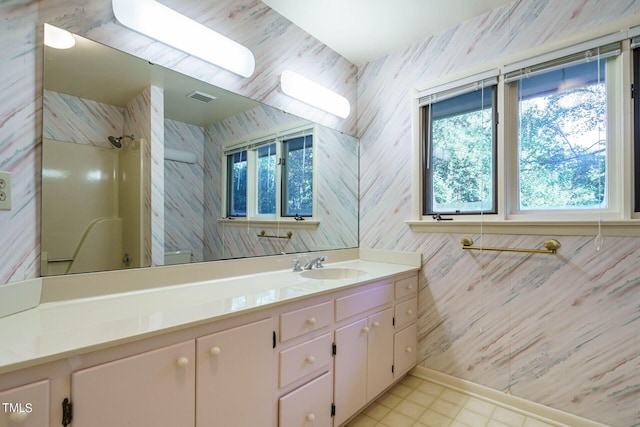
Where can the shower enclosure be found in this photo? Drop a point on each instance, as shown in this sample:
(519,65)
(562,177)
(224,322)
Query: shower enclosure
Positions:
(91,207)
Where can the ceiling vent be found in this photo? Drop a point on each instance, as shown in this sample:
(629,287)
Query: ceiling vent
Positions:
(201,96)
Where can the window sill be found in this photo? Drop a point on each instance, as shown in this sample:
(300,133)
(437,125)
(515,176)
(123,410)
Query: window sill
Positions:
(619,228)
(270,223)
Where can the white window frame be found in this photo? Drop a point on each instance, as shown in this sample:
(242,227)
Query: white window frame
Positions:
(251,144)
(618,219)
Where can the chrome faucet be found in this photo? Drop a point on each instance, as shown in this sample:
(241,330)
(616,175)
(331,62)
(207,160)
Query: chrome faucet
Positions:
(315,262)
(296,264)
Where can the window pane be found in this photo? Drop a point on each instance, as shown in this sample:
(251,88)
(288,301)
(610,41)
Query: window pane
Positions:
(237,184)
(266,176)
(298,177)
(636,128)
(460,174)
(562,138)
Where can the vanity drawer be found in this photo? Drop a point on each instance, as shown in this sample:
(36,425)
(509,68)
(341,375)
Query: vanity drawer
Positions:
(405,312)
(305,359)
(405,346)
(362,301)
(406,287)
(308,319)
(307,405)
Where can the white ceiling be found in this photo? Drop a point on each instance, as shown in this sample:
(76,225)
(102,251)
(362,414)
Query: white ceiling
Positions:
(364,30)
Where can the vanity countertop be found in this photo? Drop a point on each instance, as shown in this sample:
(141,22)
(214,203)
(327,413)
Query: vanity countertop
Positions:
(60,329)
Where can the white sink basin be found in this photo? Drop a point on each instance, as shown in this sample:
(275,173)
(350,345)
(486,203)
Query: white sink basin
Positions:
(332,273)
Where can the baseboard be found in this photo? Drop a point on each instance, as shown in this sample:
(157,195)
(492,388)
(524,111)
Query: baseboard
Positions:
(513,403)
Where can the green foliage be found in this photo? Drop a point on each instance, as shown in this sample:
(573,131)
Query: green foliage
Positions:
(563,149)
(462,152)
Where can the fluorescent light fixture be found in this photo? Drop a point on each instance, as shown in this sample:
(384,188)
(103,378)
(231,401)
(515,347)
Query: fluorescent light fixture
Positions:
(170,27)
(310,92)
(58,38)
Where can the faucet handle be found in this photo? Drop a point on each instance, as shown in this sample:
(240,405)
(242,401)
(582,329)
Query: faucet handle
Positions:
(296,264)
(320,261)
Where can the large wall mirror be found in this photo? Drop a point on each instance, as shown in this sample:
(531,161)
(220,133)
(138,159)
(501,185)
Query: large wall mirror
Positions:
(106,116)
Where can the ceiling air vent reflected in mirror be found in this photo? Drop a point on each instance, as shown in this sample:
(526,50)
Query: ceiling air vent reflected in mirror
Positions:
(201,96)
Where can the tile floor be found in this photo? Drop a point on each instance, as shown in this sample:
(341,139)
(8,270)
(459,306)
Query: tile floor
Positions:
(414,402)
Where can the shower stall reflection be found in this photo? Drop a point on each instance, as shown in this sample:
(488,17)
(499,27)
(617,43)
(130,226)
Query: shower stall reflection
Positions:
(92,218)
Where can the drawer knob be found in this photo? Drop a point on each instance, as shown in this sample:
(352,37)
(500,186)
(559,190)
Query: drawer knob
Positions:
(410,287)
(376,324)
(311,359)
(408,349)
(182,361)
(310,417)
(365,329)
(215,351)
(409,312)
(311,321)
(18,417)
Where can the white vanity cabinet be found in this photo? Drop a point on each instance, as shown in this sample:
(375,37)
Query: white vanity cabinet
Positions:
(405,340)
(234,376)
(156,388)
(25,406)
(364,349)
(307,362)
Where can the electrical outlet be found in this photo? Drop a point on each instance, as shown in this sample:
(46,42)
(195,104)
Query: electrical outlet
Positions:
(5,190)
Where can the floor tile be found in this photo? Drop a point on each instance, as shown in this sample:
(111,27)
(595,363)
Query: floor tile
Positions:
(434,419)
(445,408)
(396,419)
(390,400)
(377,411)
(410,409)
(414,402)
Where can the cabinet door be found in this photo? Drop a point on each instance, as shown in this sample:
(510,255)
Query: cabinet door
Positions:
(350,370)
(309,405)
(235,378)
(26,406)
(380,353)
(150,389)
(405,350)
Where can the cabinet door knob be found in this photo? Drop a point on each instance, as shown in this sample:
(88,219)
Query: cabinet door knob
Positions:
(215,351)
(18,417)
(365,329)
(408,349)
(409,312)
(311,321)
(376,324)
(182,361)
(410,287)
(310,417)
(311,359)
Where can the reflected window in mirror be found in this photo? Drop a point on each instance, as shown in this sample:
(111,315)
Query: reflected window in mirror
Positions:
(297,197)
(272,177)
(237,179)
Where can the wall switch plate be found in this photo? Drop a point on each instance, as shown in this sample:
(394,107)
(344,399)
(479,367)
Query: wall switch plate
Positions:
(5,190)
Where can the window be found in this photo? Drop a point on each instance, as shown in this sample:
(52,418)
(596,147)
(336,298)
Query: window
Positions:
(271,177)
(460,153)
(297,186)
(562,135)
(636,123)
(237,180)
(543,140)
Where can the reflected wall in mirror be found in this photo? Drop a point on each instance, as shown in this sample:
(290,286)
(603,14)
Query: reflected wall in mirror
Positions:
(133,168)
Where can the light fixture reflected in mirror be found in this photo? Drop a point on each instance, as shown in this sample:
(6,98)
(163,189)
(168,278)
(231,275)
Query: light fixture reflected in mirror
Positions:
(58,38)
(176,30)
(310,92)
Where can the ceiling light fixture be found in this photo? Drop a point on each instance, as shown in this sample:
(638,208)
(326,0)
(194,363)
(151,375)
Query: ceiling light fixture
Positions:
(310,92)
(170,27)
(58,38)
